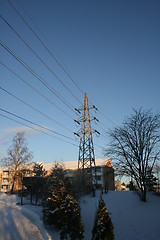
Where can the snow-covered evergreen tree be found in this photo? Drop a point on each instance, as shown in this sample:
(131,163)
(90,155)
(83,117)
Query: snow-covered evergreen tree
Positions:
(151,180)
(60,207)
(103,227)
(38,170)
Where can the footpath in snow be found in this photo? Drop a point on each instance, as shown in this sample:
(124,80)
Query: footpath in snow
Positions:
(132,219)
(20,222)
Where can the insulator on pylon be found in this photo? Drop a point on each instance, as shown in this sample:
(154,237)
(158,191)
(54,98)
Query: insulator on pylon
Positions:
(98,133)
(76,134)
(77,110)
(95,107)
(76,121)
(96,119)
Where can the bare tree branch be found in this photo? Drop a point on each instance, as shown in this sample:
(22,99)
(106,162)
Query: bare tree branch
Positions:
(18,155)
(135,147)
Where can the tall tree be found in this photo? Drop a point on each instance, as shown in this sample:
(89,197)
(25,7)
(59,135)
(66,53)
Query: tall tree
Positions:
(134,147)
(60,208)
(18,154)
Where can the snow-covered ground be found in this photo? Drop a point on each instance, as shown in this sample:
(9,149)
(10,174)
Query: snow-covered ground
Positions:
(21,222)
(132,219)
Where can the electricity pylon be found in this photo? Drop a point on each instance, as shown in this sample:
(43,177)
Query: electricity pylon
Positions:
(86,158)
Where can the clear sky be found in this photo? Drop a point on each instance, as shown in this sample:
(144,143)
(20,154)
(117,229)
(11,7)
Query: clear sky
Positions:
(109,49)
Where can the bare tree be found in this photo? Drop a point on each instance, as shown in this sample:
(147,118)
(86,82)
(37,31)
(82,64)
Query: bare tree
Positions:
(18,154)
(135,146)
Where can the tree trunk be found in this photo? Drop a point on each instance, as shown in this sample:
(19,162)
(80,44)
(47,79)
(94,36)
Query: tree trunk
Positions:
(143,196)
(36,198)
(21,199)
(14,178)
(31,199)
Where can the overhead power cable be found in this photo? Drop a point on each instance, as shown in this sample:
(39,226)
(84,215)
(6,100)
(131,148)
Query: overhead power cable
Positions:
(44,45)
(38,130)
(33,88)
(36,75)
(106,118)
(47,49)
(55,54)
(100,151)
(36,124)
(35,109)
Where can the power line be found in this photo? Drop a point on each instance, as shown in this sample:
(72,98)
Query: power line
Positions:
(26,23)
(106,118)
(44,45)
(35,109)
(40,59)
(103,116)
(49,67)
(38,130)
(42,34)
(33,88)
(97,150)
(36,75)
(36,124)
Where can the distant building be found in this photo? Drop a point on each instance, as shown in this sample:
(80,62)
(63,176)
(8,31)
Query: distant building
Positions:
(120,186)
(6,178)
(104,174)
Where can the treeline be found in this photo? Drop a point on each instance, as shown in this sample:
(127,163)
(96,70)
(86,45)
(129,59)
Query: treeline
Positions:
(60,203)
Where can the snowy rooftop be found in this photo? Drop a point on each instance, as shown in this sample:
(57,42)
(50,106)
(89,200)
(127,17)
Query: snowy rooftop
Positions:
(74,164)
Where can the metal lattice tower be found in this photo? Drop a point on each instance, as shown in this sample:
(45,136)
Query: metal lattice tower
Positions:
(86,158)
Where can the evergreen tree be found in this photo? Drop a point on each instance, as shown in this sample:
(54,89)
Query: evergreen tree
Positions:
(151,180)
(60,207)
(35,184)
(131,186)
(38,170)
(103,227)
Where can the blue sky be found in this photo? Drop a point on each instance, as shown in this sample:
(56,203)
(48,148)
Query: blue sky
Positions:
(109,48)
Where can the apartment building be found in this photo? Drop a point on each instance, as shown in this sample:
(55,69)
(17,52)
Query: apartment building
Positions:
(6,178)
(104,174)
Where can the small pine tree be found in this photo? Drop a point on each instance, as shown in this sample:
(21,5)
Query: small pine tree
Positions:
(71,224)
(103,227)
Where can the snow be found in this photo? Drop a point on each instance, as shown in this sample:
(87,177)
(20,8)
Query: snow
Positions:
(132,219)
(20,222)
(72,165)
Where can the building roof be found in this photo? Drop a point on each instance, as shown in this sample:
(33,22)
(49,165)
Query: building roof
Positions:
(72,165)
